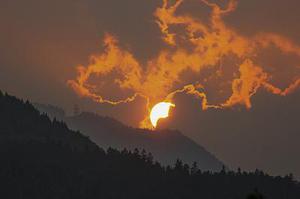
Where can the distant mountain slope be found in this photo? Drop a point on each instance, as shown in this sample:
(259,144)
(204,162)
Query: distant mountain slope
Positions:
(41,158)
(166,145)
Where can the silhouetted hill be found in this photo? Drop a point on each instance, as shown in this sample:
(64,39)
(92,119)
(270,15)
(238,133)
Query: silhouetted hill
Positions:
(41,158)
(166,145)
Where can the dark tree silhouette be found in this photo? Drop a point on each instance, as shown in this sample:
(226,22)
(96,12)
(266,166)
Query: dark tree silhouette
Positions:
(43,158)
(255,195)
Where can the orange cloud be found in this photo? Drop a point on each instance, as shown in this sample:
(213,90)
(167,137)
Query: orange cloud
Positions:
(207,45)
(251,79)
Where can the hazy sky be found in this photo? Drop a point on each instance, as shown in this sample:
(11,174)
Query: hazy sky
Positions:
(43,41)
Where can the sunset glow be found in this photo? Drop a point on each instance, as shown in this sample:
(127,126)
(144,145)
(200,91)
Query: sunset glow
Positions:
(160,110)
(192,47)
(150,99)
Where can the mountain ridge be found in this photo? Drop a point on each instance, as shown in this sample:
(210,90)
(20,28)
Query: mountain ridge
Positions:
(166,145)
(43,158)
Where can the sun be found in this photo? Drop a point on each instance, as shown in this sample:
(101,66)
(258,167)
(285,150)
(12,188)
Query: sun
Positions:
(160,110)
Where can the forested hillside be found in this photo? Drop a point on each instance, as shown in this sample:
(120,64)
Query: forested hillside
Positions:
(41,158)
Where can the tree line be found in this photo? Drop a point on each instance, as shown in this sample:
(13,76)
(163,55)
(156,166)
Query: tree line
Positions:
(43,158)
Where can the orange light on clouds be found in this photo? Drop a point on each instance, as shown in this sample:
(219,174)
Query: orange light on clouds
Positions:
(158,80)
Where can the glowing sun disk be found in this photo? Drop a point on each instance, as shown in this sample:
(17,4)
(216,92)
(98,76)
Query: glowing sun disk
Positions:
(160,110)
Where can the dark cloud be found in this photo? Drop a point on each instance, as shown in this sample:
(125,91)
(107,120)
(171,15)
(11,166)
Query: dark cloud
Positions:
(132,22)
(267,15)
